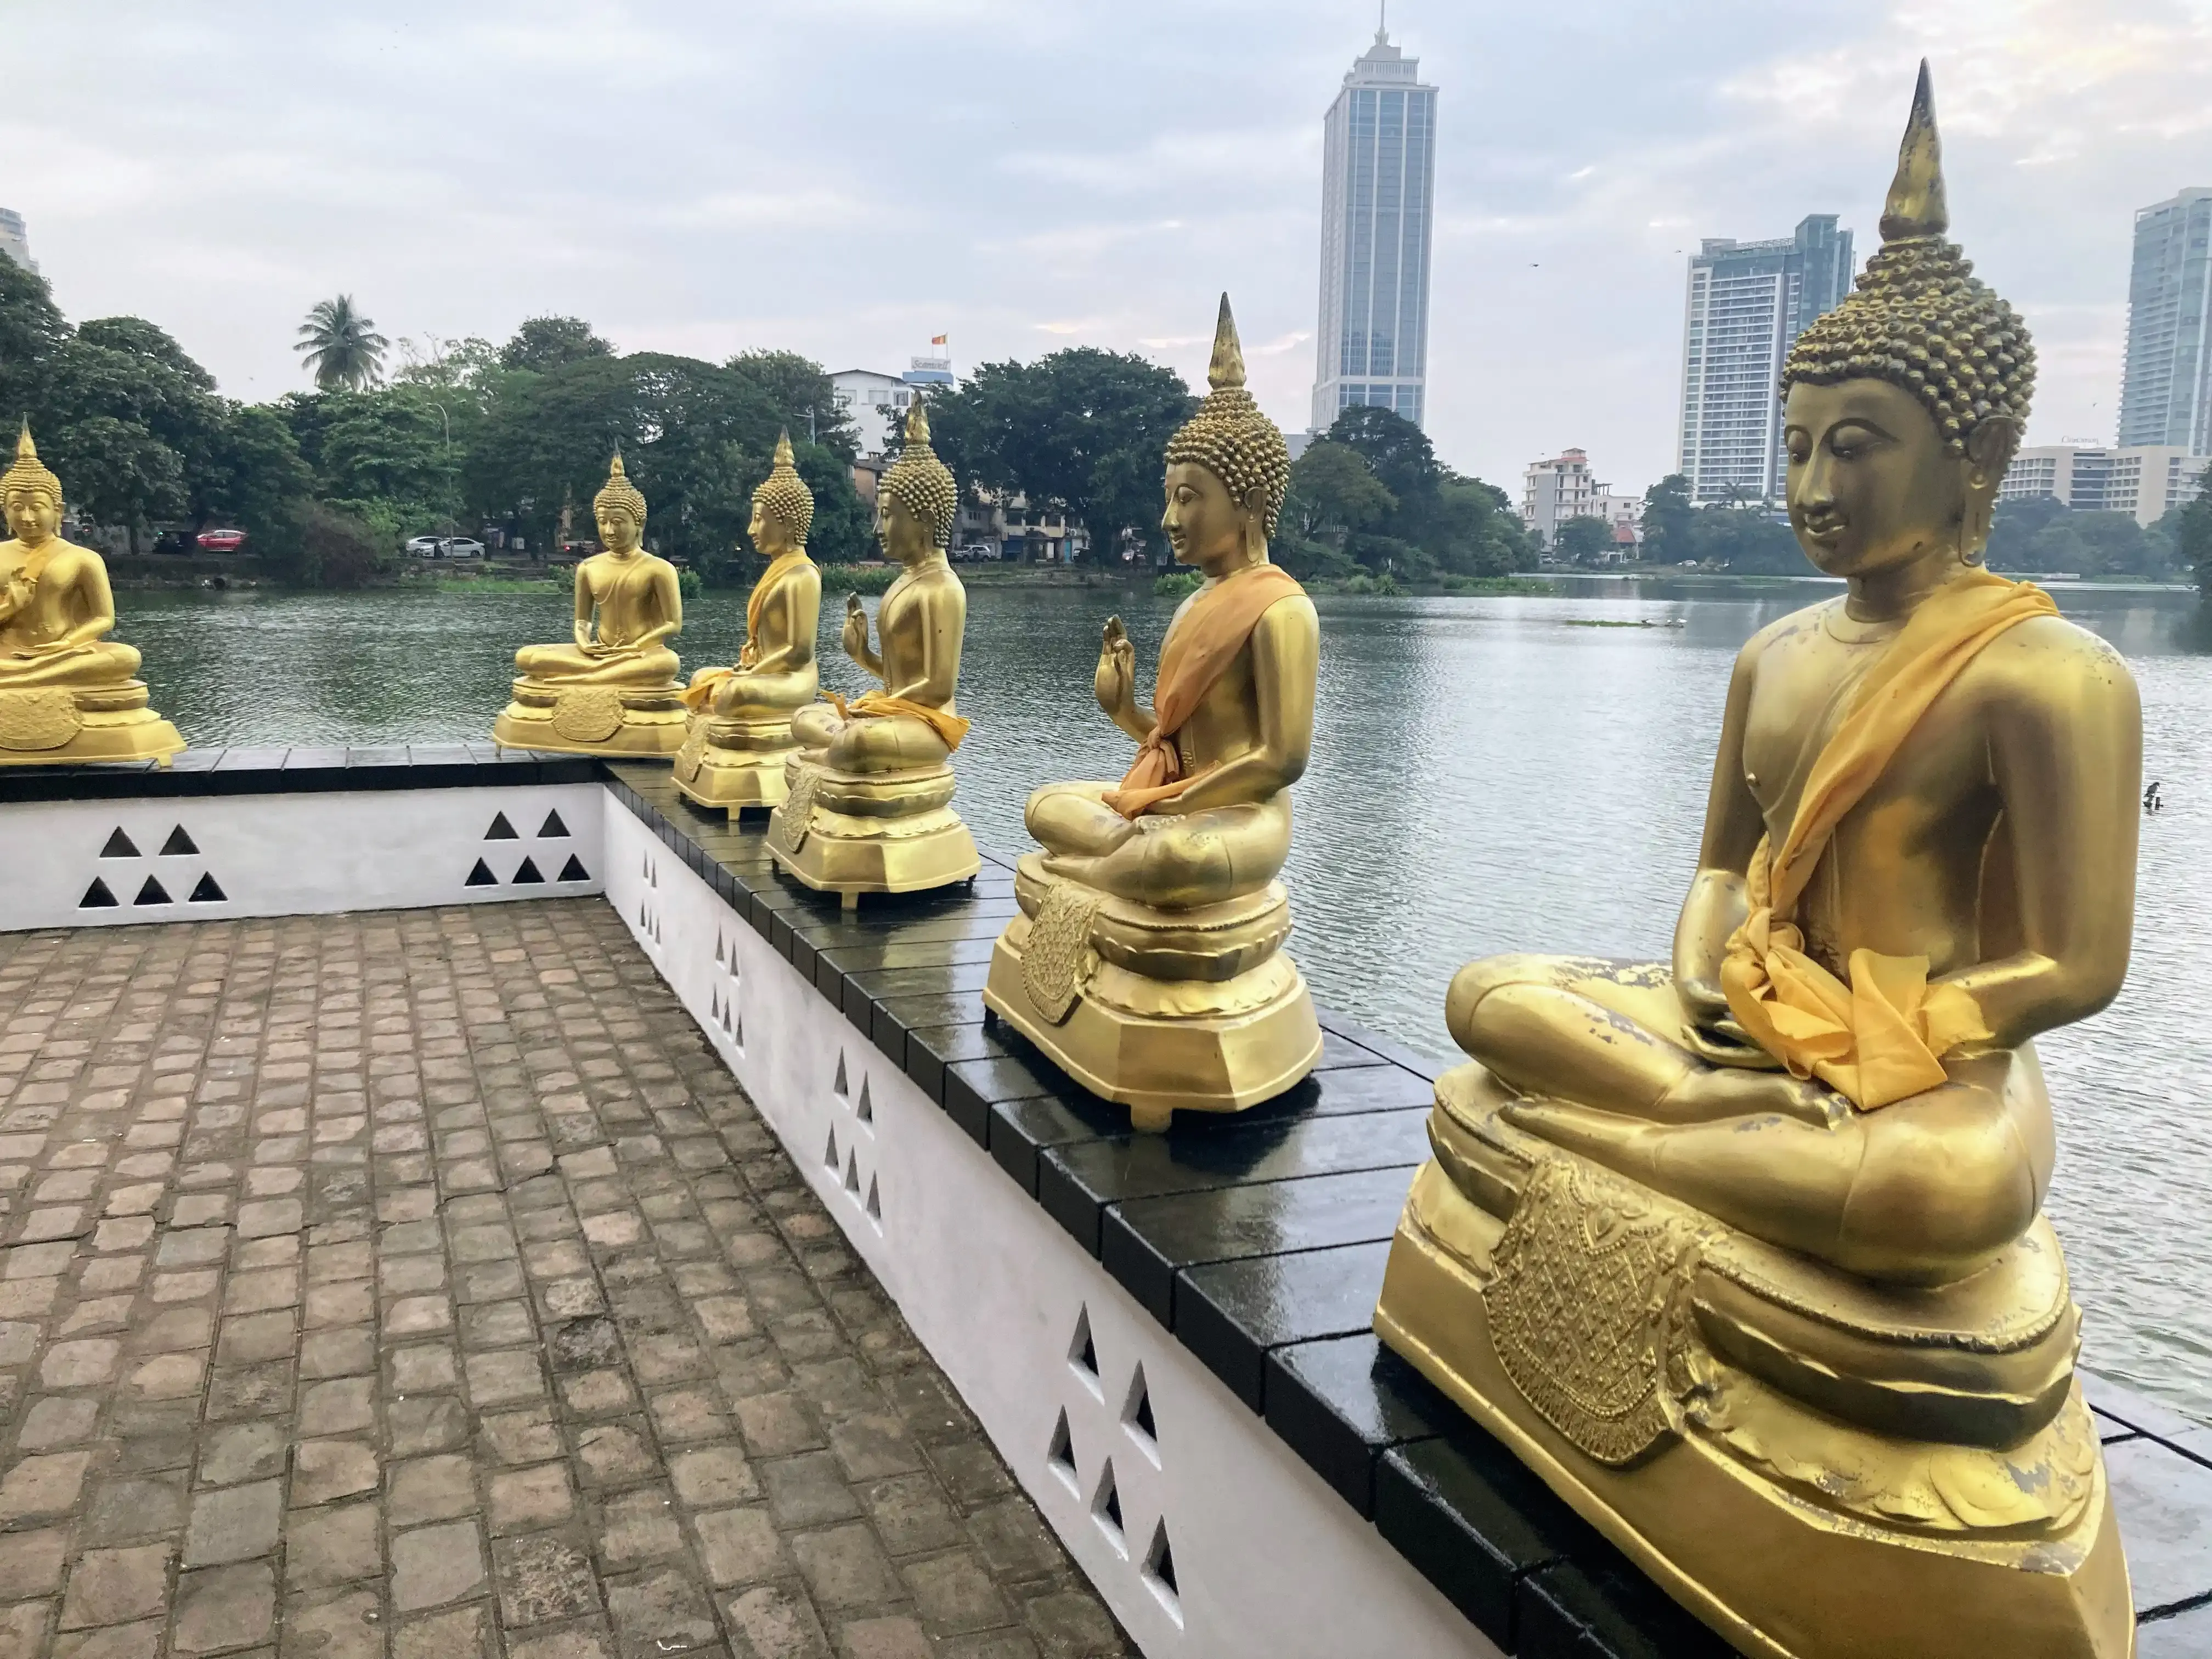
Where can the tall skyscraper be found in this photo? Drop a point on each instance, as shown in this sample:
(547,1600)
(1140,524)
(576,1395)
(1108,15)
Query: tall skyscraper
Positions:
(1748,302)
(15,240)
(2167,398)
(1378,179)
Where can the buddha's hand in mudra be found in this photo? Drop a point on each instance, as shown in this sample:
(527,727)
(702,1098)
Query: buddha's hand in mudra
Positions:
(856,628)
(1116,683)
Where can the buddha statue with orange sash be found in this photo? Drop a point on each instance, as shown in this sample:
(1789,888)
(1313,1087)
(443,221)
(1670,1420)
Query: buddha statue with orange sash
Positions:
(1147,959)
(612,690)
(1744,1253)
(68,693)
(741,740)
(869,807)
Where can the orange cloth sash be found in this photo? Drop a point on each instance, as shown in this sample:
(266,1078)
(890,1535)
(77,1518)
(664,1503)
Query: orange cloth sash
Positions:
(1880,1038)
(1200,643)
(949,727)
(701,691)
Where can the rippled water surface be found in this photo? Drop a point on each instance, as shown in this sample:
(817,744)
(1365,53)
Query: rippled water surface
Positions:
(1490,774)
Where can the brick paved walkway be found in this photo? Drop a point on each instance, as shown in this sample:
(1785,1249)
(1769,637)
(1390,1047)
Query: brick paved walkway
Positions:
(419,1283)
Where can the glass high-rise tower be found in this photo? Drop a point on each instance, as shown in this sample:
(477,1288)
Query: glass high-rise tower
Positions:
(2167,398)
(1377,186)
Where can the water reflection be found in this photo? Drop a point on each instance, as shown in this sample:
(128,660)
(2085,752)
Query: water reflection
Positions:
(1490,774)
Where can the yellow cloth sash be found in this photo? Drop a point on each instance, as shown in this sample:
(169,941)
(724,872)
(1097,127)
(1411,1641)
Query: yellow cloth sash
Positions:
(697,695)
(1880,1038)
(951,728)
(1200,643)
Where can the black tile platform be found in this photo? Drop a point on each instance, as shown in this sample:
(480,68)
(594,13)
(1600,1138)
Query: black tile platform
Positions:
(1259,1240)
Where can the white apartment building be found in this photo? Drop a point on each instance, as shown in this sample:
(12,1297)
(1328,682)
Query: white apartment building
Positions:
(873,400)
(2145,480)
(15,238)
(1552,491)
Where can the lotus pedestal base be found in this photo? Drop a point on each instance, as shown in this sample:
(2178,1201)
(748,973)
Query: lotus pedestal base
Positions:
(616,723)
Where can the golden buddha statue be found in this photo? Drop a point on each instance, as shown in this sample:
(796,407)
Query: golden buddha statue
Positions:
(1147,959)
(612,690)
(740,737)
(1743,1253)
(868,807)
(68,693)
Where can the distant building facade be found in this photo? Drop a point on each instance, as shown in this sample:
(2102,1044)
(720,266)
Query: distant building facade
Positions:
(1378,179)
(1747,302)
(2166,398)
(1565,487)
(15,238)
(2144,481)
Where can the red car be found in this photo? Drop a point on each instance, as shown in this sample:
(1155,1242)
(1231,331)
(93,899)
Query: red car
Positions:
(222,541)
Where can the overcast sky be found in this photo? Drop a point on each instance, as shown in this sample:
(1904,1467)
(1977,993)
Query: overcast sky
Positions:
(847,178)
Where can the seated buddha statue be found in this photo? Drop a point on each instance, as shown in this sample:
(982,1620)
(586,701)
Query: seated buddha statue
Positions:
(68,693)
(1147,959)
(612,690)
(868,809)
(739,738)
(1749,1244)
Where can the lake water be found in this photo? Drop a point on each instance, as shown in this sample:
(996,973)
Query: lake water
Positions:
(1489,775)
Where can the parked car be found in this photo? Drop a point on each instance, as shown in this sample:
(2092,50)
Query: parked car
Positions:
(222,541)
(176,541)
(461,547)
(424,547)
(975,553)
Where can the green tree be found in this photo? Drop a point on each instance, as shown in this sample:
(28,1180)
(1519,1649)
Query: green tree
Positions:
(2193,543)
(259,482)
(1667,521)
(1396,450)
(340,347)
(1080,430)
(801,393)
(1332,489)
(544,344)
(1583,540)
(120,474)
(2013,530)
(1476,532)
(31,331)
(1747,540)
(384,452)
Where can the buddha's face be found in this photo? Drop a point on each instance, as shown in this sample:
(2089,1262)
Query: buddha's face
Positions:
(1870,486)
(619,528)
(905,537)
(1205,525)
(33,517)
(769,535)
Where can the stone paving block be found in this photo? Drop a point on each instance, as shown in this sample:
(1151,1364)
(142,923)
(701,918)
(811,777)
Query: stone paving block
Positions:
(432,1291)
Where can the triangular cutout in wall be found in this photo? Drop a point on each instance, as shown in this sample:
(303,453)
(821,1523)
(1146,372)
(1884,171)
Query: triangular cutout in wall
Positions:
(553,827)
(152,893)
(574,870)
(120,846)
(481,877)
(96,897)
(501,828)
(526,875)
(205,891)
(178,844)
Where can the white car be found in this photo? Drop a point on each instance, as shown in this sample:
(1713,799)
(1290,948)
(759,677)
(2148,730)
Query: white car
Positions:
(461,547)
(423,547)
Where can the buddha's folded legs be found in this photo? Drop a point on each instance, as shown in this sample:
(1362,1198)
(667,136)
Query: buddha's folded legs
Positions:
(565,664)
(104,662)
(1176,862)
(763,697)
(885,742)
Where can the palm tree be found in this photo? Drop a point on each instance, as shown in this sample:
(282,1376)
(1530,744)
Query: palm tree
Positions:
(341,346)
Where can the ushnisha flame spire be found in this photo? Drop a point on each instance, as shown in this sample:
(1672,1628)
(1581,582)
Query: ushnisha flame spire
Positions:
(783,495)
(29,473)
(922,482)
(619,491)
(1919,318)
(1229,436)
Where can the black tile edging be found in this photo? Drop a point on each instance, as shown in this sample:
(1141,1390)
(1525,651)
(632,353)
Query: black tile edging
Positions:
(243,771)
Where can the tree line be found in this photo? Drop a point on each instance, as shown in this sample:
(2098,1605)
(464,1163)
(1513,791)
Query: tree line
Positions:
(327,483)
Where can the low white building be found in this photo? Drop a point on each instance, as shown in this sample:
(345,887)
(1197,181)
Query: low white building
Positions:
(2145,480)
(872,400)
(1565,487)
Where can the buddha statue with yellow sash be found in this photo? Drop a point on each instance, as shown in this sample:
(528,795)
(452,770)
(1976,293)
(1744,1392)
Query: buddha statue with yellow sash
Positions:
(1147,959)
(612,690)
(1744,1253)
(740,739)
(68,693)
(870,790)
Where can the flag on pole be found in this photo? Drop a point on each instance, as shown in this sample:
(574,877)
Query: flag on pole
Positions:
(938,339)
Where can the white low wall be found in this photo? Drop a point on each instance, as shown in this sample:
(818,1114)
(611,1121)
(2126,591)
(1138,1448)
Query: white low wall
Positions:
(205,858)
(1267,1559)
